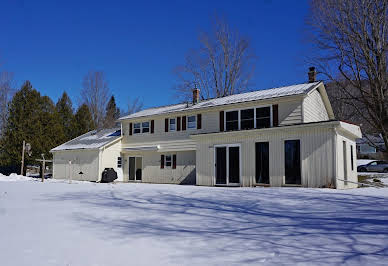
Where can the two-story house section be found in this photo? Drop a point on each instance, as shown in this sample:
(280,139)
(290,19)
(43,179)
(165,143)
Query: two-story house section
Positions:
(285,136)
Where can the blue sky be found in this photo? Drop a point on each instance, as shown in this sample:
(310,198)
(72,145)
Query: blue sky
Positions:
(137,44)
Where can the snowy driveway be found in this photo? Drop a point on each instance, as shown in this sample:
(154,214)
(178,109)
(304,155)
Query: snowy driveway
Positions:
(56,223)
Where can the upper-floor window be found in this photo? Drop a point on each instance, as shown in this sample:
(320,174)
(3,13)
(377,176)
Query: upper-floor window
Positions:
(263,117)
(136,128)
(145,127)
(172,124)
(231,120)
(247,119)
(191,122)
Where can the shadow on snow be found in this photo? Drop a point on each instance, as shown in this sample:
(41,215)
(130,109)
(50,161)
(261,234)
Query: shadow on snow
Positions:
(249,226)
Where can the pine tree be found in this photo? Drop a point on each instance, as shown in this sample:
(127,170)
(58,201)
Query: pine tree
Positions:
(112,113)
(31,118)
(83,121)
(64,109)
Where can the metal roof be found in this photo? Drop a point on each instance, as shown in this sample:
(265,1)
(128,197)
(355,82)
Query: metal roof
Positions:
(94,139)
(298,89)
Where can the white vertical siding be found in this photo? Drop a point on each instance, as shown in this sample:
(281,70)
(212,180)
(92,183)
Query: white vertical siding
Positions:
(314,109)
(316,154)
(85,161)
(352,174)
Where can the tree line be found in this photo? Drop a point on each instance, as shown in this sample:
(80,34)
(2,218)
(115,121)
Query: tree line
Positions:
(29,116)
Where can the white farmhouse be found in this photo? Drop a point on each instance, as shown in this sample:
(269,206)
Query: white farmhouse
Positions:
(285,136)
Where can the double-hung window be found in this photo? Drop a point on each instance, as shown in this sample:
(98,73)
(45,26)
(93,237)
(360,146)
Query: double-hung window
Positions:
(263,117)
(191,122)
(136,128)
(247,118)
(231,120)
(172,124)
(145,127)
(168,161)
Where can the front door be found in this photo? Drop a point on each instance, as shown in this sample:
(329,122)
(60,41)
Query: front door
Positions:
(135,168)
(227,165)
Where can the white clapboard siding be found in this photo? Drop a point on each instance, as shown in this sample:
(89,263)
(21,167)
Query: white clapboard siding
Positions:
(289,113)
(314,108)
(152,173)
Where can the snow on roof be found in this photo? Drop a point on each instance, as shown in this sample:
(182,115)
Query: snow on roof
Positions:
(91,140)
(236,98)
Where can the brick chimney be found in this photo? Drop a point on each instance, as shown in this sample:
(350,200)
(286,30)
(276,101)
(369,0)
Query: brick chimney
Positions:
(195,96)
(312,74)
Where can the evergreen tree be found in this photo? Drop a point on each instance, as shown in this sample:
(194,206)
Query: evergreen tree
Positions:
(64,109)
(83,121)
(112,113)
(31,118)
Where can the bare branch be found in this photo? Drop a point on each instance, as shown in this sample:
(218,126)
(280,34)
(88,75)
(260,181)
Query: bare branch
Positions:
(223,65)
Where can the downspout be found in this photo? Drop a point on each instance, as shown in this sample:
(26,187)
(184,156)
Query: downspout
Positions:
(335,170)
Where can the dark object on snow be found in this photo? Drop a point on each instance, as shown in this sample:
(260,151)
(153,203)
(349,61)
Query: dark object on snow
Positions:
(109,175)
(138,174)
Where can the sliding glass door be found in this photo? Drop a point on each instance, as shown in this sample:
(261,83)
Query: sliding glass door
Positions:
(227,166)
(292,162)
(135,168)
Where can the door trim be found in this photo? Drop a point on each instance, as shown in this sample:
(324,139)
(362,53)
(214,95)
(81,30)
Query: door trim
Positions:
(227,164)
(300,163)
(142,167)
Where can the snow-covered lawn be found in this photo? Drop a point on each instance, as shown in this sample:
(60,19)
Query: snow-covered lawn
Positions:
(56,223)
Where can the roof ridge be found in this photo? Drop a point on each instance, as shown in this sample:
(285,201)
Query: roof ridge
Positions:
(313,85)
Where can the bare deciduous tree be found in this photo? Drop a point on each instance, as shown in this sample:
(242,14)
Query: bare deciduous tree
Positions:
(223,65)
(95,94)
(133,106)
(352,40)
(6,82)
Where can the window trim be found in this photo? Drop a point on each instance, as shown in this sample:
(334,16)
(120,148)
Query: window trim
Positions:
(254,115)
(169,124)
(141,127)
(227,146)
(195,122)
(171,160)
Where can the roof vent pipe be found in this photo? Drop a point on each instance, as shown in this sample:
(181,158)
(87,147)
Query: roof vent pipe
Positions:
(312,74)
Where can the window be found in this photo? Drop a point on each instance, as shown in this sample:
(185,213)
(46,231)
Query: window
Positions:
(263,117)
(247,118)
(351,157)
(136,128)
(172,124)
(231,120)
(118,162)
(168,161)
(191,122)
(145,127)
